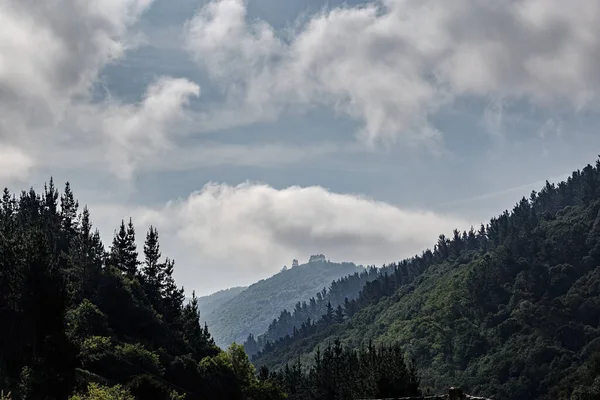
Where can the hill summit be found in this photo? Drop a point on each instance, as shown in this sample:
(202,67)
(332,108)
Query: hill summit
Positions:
(253,309)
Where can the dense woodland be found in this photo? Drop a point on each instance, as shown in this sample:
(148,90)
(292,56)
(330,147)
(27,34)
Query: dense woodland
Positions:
(343,373)
(510,310)
(75,318)
(340,293)
(213,301)
(79,322)
(253,309)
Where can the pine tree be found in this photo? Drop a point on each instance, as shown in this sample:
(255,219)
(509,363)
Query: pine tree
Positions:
(51,198)
(339,314)
(68,211)
(152,255)
(119,248)
(123,252)
(86,256)
(250,345)
(172,296)
(197,338)
(328,316)
(131,261)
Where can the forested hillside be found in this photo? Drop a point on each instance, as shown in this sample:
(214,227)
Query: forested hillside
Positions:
(252,310)
(341,293)
(105,325)
(208,303)
(81,323)
(511,310)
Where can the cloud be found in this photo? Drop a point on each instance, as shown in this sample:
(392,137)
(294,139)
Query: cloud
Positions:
(136,132)
(14,163)
(393,64)
(52,54)
(53,51)
(269,154)
(251,230)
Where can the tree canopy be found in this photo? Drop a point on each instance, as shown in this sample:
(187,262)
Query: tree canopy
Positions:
(81,322)
(508,310)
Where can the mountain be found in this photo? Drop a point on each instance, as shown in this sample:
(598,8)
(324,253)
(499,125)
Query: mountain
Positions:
(340,292)
(208,304)
(253,309)
(509,311)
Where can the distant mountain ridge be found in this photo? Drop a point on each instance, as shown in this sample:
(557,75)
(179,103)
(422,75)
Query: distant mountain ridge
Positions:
(253,309)
(208,304)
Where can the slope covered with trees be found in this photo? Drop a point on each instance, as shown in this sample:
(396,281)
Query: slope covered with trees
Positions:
(510,311)
(76,318)
(209,303)
(342,373)
(81,323)
(340,295)
(252,310)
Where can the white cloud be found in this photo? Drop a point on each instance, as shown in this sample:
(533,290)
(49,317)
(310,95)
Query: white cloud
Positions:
(249,231)
(14,163)
(137,132)
(51,54)
(392,64)
(53,51)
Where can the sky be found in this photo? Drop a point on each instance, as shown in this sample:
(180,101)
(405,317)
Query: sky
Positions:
(251,133)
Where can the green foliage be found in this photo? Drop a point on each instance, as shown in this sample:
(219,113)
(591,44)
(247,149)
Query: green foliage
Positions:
(139,358)
(95,349)
(266,390)
(342,373)
(86,320)
(242,367)
(511,310)
(252,310)
(220,379)
(78,319)
(99,392)
(211,302)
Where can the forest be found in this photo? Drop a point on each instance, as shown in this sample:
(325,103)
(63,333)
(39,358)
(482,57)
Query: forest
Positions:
(323,303)
(82,322)
(510,310)
(252,310)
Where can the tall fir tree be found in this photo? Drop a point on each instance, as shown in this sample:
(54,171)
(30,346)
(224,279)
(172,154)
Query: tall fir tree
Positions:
(50,198)
(199,339)
(118,249)
(131,263)
(68,211)
(172,296)
(123,253)
(151,269)
(86,257)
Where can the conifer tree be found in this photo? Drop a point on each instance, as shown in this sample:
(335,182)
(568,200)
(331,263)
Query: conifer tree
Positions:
(328,316)
(87,255)
(339,314)
(172,296)
(50,198)
(119,248)
(68,211)
(131,261)
(198,338)
(152,269)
